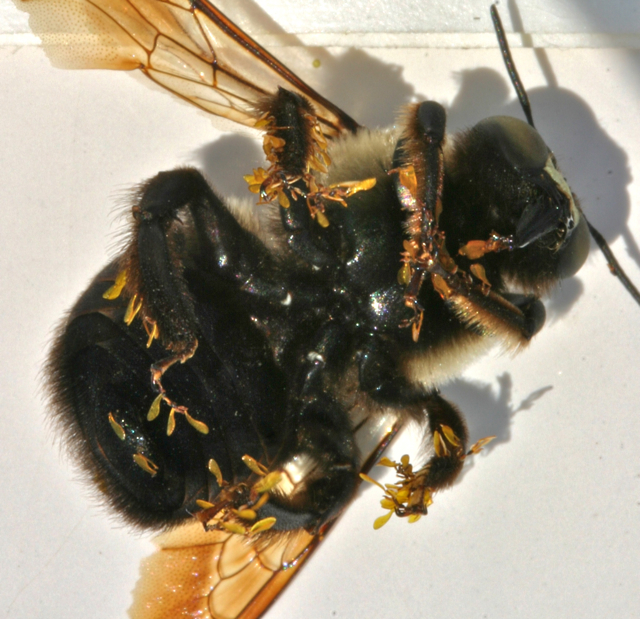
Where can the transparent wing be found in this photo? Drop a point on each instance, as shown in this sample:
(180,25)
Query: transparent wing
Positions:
(187,46)
(220,575)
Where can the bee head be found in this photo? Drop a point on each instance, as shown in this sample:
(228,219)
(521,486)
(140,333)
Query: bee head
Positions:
(503,178)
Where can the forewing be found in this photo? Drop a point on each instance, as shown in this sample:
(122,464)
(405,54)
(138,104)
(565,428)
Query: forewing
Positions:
(188,47)
(220,575)
(215,575)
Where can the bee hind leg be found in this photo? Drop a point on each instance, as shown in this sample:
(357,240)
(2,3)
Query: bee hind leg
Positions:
(183,233)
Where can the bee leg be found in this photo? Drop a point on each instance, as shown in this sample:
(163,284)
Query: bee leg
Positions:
(295,145)
(515,318)
(318,464)
(447,432)
(180,219)
(180,224)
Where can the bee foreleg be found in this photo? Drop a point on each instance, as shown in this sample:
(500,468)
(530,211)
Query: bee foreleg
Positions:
(448,433)
(515,318)
(381,378)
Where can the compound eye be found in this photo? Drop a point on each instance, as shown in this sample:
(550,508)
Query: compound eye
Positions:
(519,143)
(573,253)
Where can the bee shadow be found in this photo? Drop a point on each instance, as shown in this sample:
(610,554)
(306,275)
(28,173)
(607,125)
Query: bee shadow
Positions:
(489,412)
(226,160)
(371,91)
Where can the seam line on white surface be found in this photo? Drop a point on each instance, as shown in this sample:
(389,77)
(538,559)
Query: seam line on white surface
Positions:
(427,40)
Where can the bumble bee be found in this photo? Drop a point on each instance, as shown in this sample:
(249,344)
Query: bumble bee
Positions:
(304,297)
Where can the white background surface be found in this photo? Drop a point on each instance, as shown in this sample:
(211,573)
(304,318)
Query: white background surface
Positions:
(546,522)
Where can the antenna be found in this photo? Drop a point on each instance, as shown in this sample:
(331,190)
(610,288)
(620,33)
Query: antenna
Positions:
(510,65)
